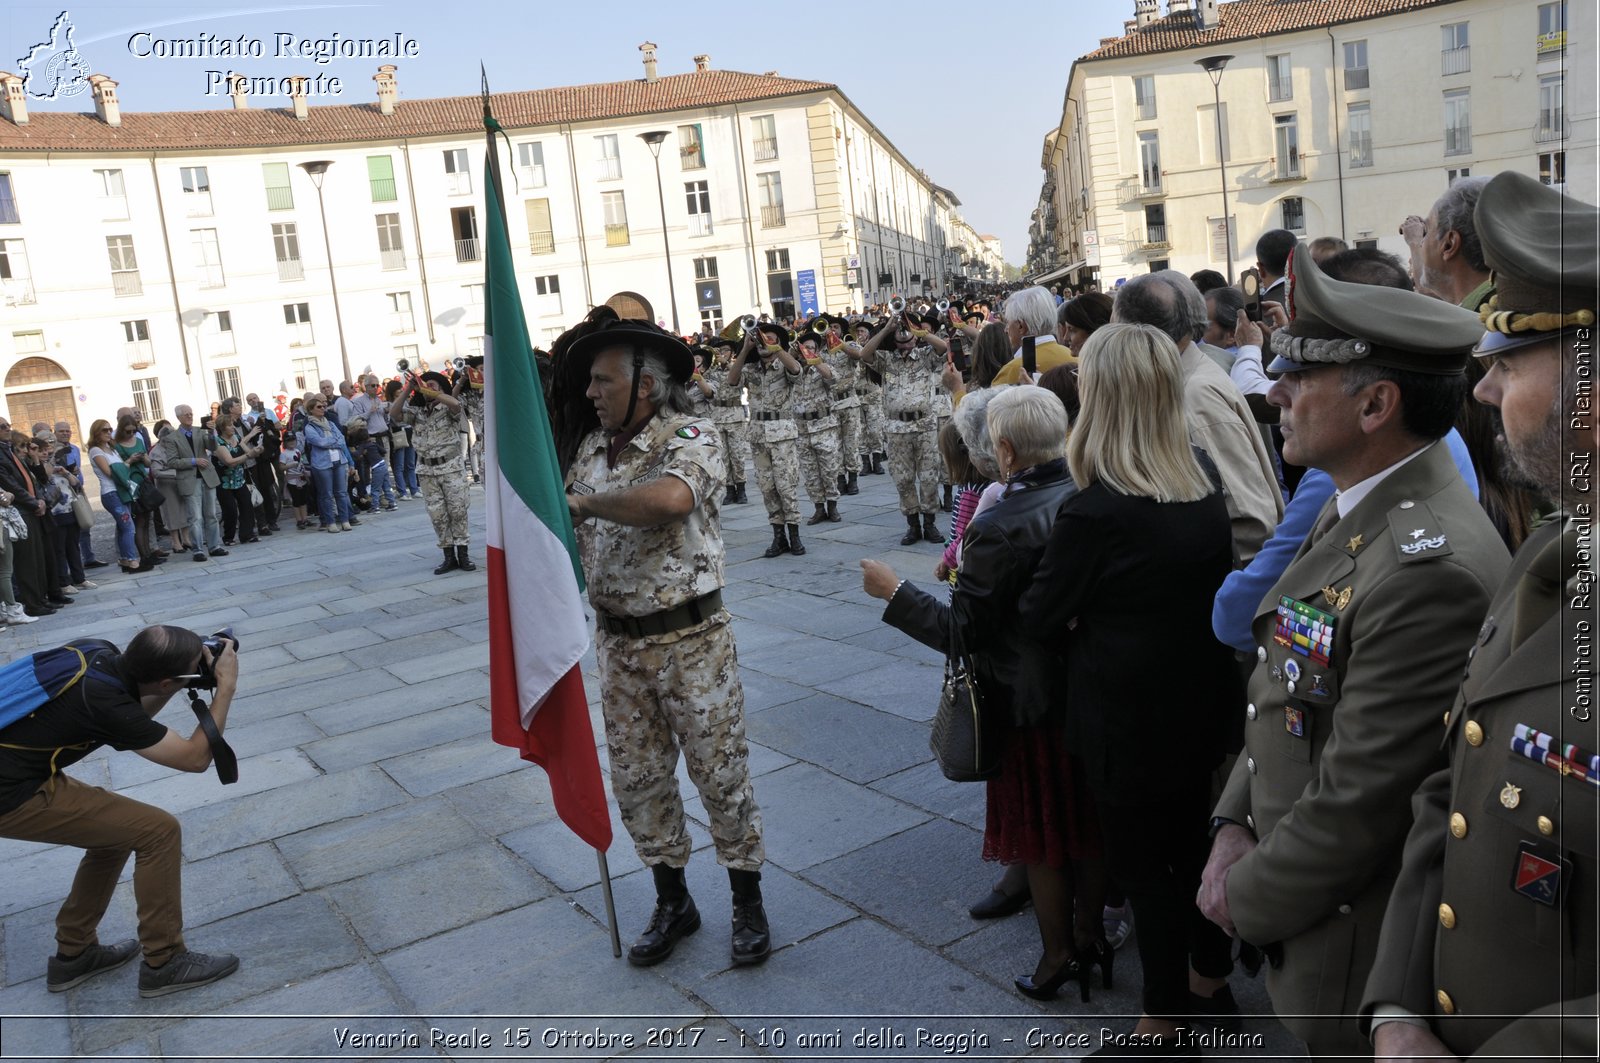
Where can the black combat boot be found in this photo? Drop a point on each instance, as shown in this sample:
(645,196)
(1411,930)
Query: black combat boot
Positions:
(930,530)
(850,485)
(796,547)
(819,516)
(752,941)
(833,512)
(866,464)
(946,502)
(463,562)
(780,545)
(840,479)
(877,462)
(730,496)
(675,917)
(740,490)
(450,563)
(914,534)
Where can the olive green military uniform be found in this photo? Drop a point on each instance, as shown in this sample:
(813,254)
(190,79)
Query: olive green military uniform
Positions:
(441,473)
(680,689)
(909,383)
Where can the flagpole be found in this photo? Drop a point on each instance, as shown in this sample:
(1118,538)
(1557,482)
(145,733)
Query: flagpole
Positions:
(611,904)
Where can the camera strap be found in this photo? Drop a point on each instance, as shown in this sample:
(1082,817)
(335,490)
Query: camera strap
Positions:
(222,755)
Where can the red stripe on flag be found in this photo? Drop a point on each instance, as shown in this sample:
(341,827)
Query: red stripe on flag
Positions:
(560,740)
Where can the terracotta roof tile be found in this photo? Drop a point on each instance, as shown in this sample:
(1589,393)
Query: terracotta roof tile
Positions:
(1245,19)
(278,127)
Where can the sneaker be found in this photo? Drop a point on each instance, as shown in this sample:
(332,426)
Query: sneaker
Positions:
(15,614)
(332,529)
(199,556)
(1118,924)
(69,588)
(61,975)
(86,585)
(186,970)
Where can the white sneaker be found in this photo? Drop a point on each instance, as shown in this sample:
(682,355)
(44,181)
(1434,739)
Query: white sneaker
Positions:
(69,589)
(15,614)
(332,529)
(86,585)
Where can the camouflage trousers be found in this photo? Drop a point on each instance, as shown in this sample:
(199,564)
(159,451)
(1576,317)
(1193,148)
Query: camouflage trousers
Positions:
(735,449)
(944,470)
(658,697)
(872,430)
(850,442)
(444,489)
(915,464)
(778,477)
(819,464)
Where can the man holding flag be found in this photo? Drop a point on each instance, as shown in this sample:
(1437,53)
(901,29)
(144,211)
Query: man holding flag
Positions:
(643,492)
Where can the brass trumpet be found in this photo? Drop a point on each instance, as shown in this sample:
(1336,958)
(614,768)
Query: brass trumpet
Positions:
(403,365)
(749,323)
(943,306)
(460,364)
(897,305)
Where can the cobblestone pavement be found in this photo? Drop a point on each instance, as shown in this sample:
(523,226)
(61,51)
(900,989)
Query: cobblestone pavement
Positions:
(398,886)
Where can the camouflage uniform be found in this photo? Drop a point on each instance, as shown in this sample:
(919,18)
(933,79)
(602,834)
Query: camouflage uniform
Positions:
(943,410)
(680,689)
(817,435)
(909,383)
(772,438)
(436,434)
(728,414)
(847,407)
(472,402)
(872,427)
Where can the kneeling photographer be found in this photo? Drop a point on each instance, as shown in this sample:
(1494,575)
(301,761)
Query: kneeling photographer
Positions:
(60,705)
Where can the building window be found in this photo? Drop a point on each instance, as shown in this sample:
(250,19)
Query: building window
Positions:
(1206,124)
(196,190)
(472,294)
(771,188)
(698,196)
(691,147)
(1454,49)
(380,176)
(1286,141)
(136,341)
(530,156)
(764,132)
(307,375)
(1155,226)
(207,257)
(391,250)
(30,342)
(1360,124)
(1552,29)
(275,175)
(1280,83)
(147,398)
(1144,96)
(464,224)
(113,195)
(1457,122)
(16,282)
(124,266)
(297,316)
(8,202)
(286,249)
(457,172)
(228,382)
(1356,75)
(1553,168)
(541,235)
(1552,109)
(1452,176)
(780,283)
(711,321)
(547,293)
(616,218)
(607,157)
(401,318)
(1149,162)
(222,330)
(1294,214)
(705,269)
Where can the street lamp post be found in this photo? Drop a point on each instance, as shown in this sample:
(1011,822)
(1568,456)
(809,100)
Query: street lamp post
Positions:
(1212,65)
(654,139)
(315,170)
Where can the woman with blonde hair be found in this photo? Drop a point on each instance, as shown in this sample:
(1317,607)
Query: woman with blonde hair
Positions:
(1124,589)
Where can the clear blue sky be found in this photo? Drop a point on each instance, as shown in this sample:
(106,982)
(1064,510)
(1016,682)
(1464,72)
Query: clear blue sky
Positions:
(966,91)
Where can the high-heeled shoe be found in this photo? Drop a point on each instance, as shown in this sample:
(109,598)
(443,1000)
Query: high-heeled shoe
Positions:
(1099,954)
(1047,989)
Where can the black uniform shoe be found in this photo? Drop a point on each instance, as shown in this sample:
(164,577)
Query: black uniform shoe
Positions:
(741,498)
(752,941)
(833,512)
(96,564)
(675,918)
(930,530)
(463,562)
(796,547)
(819,516)
(450,563)
(850,486)
(780,544)
(913,535)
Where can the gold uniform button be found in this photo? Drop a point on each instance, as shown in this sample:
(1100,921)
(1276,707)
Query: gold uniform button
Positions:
(1458,825)
(1546,826)
(1447,719)
(1473,732)
(1446,1005)
(1447,917)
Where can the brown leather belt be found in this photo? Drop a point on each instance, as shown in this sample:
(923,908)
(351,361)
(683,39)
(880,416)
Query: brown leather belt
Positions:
(668,620)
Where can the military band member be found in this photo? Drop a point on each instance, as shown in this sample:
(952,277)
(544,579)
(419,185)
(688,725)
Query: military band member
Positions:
(869,385)
(910,377)
(943,408)
(728,414)
(846,401)
(817,430)
(468,390)
(1488,947)
(435,418)
(643,492)
(769,380)
(1360,643)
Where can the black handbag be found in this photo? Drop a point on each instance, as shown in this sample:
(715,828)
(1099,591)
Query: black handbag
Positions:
(148,498)
(964,738)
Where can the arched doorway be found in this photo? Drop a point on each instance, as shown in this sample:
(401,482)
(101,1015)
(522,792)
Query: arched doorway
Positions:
(38,389)
(631,305)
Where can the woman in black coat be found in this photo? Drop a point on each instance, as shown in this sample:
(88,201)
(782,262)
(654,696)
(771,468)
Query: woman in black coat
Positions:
(1038,814)
(1125,587)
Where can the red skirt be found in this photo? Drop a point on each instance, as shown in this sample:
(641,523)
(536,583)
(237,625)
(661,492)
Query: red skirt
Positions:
(1039,812)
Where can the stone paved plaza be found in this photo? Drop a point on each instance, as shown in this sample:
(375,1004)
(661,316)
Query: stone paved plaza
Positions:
(385,872)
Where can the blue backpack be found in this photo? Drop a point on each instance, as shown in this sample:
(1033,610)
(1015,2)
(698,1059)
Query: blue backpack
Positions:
(30,682)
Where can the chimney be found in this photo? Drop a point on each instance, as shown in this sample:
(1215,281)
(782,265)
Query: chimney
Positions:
(297,95)
(387,88)
(105,99)
(702,63)
(13,101)
(1144,13)
(236,91)
(649,50)
(1207,15)
(1184,8)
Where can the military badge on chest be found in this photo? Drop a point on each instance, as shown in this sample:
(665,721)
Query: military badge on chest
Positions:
(1538,873)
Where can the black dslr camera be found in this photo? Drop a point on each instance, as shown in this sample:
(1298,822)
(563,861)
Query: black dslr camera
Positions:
(216,643)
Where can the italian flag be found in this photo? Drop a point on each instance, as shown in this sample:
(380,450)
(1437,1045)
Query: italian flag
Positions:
(537,627)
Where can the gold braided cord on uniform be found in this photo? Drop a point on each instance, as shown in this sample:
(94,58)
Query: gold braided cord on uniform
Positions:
(1510,322)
